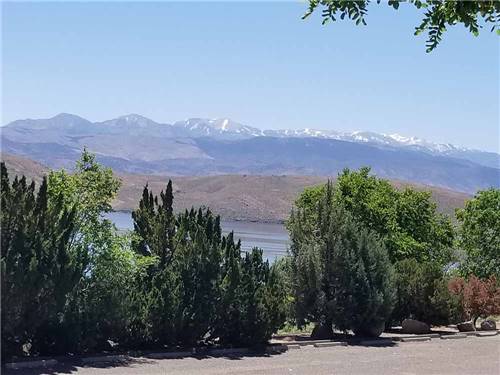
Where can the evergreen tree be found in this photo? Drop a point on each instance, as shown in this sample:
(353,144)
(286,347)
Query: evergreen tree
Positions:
(40,267)
(154,223)
(253,297)
(197,262)
(342,273)
(203,289)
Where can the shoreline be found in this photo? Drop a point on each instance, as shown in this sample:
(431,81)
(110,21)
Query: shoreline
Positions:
(225,218)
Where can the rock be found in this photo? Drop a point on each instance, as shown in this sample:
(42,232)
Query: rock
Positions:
(373,330)
(415,326)
(488,325)
(466,327)
(322,332)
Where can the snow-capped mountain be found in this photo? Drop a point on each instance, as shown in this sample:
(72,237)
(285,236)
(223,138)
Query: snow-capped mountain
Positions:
(395,140)
(490,159)
(132,120)
(220,127)
(223,128)
(136,144)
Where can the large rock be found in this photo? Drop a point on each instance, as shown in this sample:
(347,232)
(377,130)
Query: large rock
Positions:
(322,332)
(415,326)
(466,327)
(488,325)
(373,330)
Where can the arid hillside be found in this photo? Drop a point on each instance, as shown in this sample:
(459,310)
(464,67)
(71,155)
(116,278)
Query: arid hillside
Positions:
(236,197)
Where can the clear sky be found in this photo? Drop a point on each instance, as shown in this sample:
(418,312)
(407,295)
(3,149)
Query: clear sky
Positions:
(257,63)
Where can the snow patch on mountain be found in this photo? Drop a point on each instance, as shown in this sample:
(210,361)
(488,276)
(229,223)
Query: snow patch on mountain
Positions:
(134,125)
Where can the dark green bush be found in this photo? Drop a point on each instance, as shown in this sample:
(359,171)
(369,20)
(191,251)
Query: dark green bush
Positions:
(341,271)
(421,293)
(213,292)
(71,283)
(253,297)
(39,268)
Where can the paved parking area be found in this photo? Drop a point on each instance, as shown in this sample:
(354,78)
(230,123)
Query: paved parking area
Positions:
(470,356)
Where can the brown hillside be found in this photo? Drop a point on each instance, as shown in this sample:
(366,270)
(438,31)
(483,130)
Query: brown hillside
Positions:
(238,197)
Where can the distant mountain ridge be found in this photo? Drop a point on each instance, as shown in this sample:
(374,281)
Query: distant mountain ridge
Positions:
(198,146)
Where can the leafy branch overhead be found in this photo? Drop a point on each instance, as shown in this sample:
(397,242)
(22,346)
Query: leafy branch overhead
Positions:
(437,15)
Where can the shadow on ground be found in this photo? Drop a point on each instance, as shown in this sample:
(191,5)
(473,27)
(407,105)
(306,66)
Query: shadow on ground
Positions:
(340,337)
(399,331)
(69,365)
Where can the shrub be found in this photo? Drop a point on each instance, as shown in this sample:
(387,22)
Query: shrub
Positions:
(101,308)
(203,284)
(478,298)
(421,293)
(252,299)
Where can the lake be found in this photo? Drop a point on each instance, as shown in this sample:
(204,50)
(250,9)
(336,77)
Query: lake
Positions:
(272,238)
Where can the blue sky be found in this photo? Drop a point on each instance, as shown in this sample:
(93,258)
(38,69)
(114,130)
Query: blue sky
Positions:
(257,63)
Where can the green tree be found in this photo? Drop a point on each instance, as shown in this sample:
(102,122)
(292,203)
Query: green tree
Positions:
(90,188)
(407,220)
(154,224)
(438,15)
(155,229)
(39,266)
(479,234)
(413,232)
(341,271)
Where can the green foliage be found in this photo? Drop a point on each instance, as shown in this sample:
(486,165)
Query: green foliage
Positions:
(407,220)
(90,189)
(437,16)
(154,224)
(283,267)
(479,234)
(105,305)
(202,288)
(71,282)
(197,260)
(341,271)
(253,297)
(422,293)
(418,239)
(39,265)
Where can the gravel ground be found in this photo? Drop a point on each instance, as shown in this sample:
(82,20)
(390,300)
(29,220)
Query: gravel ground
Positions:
(471,356)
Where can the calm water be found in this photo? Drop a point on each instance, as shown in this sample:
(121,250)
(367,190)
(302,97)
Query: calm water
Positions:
(272,238)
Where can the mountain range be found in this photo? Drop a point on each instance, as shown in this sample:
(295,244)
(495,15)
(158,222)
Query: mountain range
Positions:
(197,146)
